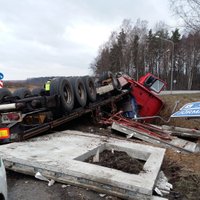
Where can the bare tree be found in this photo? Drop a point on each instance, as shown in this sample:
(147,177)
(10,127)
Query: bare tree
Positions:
(136,50)
(189,11)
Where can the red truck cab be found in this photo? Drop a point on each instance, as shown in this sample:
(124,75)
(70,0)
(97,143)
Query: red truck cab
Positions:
(143,91)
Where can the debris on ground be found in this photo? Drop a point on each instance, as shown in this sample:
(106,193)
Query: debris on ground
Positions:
(39,176)
(118,160)
(162,186)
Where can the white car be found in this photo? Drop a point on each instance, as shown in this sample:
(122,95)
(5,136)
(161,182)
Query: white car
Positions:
(3,182)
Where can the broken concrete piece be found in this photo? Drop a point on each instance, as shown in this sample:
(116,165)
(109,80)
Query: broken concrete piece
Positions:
(102,195)
(162,184)
(38,175)
(158,191)
(96,157)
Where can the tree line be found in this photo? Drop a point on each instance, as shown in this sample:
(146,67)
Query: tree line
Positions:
(170,55)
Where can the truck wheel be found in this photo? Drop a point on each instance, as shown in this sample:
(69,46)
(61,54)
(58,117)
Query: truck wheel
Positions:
(117,84)
(37,91)
(79,91)
(90,88)
(63,88)
(105,75)
(21,93)
(110,75)
(4,93)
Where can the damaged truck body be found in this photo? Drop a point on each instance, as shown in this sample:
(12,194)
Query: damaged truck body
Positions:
(24,114)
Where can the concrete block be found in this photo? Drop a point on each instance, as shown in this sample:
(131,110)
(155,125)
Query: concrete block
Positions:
(60,156)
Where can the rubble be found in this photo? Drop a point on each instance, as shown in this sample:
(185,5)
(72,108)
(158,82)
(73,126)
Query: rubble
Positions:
(162,185)
(39,176)
(174,143)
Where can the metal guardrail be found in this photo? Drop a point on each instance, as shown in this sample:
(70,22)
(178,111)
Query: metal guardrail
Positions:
(180,92)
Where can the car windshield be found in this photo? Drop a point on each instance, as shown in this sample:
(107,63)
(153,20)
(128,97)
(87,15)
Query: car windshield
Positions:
(157,86)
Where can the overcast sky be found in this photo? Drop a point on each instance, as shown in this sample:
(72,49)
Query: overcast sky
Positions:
(62,37)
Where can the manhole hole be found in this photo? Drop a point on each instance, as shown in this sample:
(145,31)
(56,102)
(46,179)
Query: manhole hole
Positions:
(119,160)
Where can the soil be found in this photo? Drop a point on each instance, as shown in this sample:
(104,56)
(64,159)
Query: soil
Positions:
(118,160)
(181,169)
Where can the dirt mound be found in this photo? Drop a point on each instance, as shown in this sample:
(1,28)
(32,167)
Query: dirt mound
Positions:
(183,171)
(118,160)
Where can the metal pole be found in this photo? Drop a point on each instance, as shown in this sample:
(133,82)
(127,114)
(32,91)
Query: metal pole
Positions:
(172,67)
(172,64)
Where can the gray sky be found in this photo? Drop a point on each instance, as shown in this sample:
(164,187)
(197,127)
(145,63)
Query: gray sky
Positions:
(62,37)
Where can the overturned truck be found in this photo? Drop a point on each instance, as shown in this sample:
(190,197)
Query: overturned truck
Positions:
(24,113)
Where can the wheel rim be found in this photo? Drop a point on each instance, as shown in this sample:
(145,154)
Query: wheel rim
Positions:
(81,91)
(67,94)
(91,88)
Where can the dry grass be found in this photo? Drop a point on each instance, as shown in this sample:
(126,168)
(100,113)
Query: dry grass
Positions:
(169,102)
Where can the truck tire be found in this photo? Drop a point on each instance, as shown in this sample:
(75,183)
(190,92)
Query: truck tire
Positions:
(37,91)
(4,92)
(79,91)
(63,87)
(110,75)
(105,75)
(115,82)
(21,93)
(118,85)
(90,88)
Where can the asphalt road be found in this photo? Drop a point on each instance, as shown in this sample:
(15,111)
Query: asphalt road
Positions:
(24,187)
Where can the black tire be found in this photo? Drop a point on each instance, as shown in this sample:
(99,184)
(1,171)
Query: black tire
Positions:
(90,88)
(105,75)
(115,82)
(79,91)
(109,74)
(38,91)
(117,85)
(63,87)
(4,93)
(22,93)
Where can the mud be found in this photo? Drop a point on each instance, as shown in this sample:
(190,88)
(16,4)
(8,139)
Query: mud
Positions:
(118,160)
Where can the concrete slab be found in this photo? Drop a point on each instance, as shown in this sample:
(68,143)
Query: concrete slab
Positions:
(60,156)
